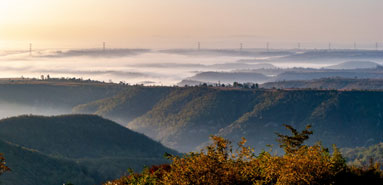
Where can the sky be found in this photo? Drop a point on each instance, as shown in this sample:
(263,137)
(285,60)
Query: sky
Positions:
(182,23)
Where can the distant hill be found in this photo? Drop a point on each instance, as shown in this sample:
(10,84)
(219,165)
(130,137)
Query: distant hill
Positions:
(192,83)
(331,55)
(100,146)
(64,93)
(358,70)
(229,77)
(184,118)
(348,119)
(51,96)
(127,105)
(239,65)
(330,73)
(354,65)
(328,83)
(229,52)
(361,156)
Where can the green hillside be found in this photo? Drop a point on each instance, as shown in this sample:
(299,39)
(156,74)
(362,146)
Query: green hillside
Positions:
(31,167)
(187,117)
(184,118)
(348,119)
(128,104)
(94,144)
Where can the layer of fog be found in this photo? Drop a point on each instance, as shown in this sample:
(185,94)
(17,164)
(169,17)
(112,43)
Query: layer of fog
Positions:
(12,109)
(166,67)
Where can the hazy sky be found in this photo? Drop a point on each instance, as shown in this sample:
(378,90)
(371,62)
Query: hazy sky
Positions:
(181,23)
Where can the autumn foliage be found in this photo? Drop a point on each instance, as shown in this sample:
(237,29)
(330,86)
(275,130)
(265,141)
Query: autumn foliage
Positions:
(3,167)
(219,164)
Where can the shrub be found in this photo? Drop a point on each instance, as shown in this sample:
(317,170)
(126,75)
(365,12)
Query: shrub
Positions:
(219,164)
(3,167)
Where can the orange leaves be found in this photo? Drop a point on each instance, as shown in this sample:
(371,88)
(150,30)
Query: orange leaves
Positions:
(3,167)
(219,164)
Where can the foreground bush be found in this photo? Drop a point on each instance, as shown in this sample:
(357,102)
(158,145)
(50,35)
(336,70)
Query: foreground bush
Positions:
(220,164)
(3,167)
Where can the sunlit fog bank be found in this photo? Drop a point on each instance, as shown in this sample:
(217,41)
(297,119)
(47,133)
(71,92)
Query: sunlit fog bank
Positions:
(158,67)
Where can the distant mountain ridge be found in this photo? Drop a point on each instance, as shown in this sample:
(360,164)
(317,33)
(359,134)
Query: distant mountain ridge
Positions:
(345,70)
(354,65)
(328,83)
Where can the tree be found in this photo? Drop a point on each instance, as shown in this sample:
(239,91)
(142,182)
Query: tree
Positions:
(292,143)
(3,167)
(218,164)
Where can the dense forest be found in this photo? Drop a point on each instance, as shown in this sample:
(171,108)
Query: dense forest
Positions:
(81,149)
(184,118)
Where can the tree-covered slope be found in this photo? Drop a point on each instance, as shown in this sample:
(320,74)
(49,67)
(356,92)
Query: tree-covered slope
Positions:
(77,136)
(101,146)
(186,117)
(31,167)
(328,83)
(128,104)
(345,118)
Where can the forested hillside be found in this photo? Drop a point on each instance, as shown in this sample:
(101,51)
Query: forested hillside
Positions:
(328,83)
(31,167)
(347,119)
(80,145)
(129,103)
(184,118)
(48,97)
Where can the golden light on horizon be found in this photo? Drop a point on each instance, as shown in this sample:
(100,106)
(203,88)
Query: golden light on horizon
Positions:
(146,23)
